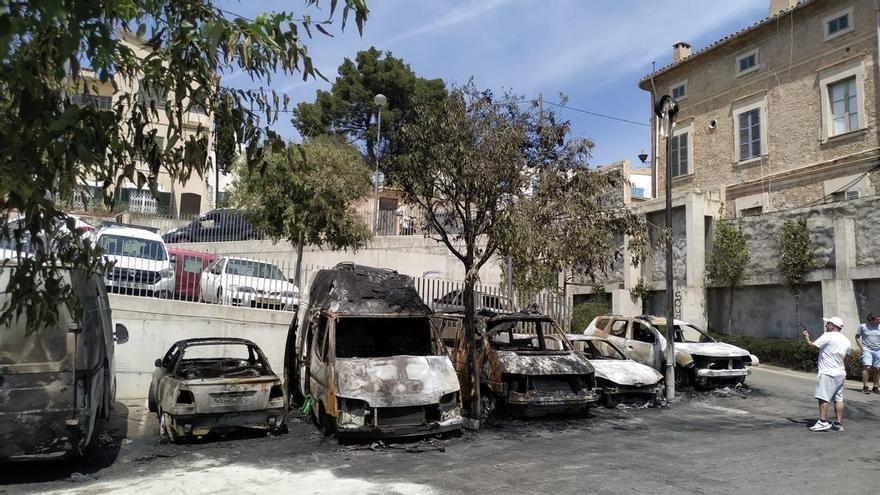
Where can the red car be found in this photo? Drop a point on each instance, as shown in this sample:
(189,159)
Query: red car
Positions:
(188,266)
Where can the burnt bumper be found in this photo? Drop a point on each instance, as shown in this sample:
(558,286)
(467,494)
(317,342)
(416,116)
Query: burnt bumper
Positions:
(536,404)
(705,375)
(203,424)
(39,435)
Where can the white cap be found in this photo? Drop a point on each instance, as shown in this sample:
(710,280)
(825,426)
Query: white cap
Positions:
(834,320)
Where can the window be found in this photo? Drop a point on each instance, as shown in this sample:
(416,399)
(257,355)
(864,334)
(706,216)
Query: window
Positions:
(838,24)
(119,245)
(845,195)
(843,97)
(747,62)
(679,90)
(678,158)
(100,102)
(618,328)
(751,212)
(637,192)
(191,264)
(642,333)
(148,95)
(749,128)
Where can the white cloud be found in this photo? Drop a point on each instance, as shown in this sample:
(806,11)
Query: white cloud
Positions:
(454,17)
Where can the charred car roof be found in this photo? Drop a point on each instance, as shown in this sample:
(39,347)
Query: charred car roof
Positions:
(213,341)
(359,290)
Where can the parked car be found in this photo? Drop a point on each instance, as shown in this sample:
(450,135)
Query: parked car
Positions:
(244,282)
(215,384)
(219,225)
(57,382)
(699,359)
(618,378)
(140,261)
(527,365)
(453,301)
(188,268)
(369,358)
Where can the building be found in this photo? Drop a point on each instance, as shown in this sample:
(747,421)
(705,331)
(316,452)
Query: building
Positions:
(778,115)
(175,199)
(776,121)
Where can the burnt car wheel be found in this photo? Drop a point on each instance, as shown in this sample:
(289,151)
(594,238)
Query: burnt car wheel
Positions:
(151,401)
(326,422)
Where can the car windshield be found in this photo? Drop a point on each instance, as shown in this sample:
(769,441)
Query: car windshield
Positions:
(598,349)
(225,360)
(383,337)
(686,333)
(249,268)
(119,245)
(525,335)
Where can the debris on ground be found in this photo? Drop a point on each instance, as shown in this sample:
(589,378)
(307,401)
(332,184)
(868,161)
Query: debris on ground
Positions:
(151,457)
(425,445)
(80,477)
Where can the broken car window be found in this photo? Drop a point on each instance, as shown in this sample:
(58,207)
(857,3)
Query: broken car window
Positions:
(642,333)
(383,337)
(618,329)
(220,361)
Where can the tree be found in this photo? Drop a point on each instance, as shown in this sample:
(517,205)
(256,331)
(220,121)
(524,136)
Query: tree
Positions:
(348,108)
(52,142)
(639,293)
(305,195)
(727,263)
(468,162)
(797,259)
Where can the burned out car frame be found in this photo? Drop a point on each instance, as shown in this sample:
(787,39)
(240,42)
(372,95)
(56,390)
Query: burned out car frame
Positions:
(370,359)
(194,396)
(619,379)
(527,365)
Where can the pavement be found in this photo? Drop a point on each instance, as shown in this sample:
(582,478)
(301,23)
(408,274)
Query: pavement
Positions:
(754,439)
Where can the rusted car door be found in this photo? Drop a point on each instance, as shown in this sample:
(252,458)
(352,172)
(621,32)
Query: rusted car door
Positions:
(641,344)
(321,374)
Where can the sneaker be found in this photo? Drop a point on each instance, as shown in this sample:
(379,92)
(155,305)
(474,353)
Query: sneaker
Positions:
(875,390)
(836,426)
(821,426)
(866,391)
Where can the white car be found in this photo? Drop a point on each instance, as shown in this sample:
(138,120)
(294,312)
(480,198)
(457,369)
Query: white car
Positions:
(140,262)
(244,282)
(617,378)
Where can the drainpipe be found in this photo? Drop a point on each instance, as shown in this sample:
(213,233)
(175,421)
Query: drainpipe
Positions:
(877,32)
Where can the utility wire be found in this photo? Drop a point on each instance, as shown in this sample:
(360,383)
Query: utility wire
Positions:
(595,114)
(842,188)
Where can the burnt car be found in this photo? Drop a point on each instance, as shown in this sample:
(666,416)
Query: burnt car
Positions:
(618,379)
(368,358)
(214,385)
(527,365)
(700,360)
(59,382)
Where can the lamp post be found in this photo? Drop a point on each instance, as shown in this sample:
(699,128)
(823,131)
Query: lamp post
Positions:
(666,109)
(380,101)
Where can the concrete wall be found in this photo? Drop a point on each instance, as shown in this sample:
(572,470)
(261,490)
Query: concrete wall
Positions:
(155,324)
(411,255)
(867,296)
(765,310)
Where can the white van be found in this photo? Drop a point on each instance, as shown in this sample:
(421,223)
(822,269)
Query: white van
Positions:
(141,264)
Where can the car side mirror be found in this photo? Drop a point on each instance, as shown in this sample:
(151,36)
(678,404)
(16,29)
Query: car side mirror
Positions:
(120,335)
(158,363)
(173,259)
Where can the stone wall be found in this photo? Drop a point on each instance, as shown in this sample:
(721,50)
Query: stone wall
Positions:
(867,296)
(765,310)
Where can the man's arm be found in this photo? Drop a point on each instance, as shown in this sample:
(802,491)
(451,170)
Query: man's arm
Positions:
(809,341)
(859,337)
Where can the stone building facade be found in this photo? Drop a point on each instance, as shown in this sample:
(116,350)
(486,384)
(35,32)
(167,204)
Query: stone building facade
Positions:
(776,121)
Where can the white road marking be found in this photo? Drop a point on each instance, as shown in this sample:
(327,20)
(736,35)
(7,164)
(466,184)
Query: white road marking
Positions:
(727,410)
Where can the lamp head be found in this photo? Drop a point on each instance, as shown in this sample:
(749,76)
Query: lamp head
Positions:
(380,100)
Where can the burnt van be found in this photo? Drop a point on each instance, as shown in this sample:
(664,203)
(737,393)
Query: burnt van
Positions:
(368,359)
(59,380)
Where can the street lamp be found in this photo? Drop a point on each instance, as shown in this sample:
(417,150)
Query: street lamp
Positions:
(666,109)
(380,101)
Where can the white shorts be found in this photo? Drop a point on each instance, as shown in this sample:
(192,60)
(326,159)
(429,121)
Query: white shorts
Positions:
(829,388)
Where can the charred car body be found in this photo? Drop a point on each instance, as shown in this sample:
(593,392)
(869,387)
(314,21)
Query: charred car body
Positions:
(369,357)
(699,359)
(57,382)
(527,364)
(618,379)
(215,384)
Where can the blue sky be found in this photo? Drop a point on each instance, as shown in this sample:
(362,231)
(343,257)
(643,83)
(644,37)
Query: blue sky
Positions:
(592,51)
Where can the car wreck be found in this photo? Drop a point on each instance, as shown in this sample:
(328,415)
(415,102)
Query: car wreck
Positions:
(618,379)
(700,360)
(59,382)
(213,385)
(528,366)
(368,358)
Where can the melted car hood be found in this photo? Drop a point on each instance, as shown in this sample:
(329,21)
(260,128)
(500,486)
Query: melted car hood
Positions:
(553,363)
(625,372)
(396,381)
(711,349)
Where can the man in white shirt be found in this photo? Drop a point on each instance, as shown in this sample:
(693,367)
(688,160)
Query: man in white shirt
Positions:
(833,347)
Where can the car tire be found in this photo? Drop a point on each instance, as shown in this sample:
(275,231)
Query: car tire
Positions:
(151,401)
(326,422)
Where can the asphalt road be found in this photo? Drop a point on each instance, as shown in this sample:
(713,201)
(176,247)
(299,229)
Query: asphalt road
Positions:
(737,441)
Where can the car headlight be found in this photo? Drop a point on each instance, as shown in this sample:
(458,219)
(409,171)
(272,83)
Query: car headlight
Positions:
(167,273)
(242,288)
